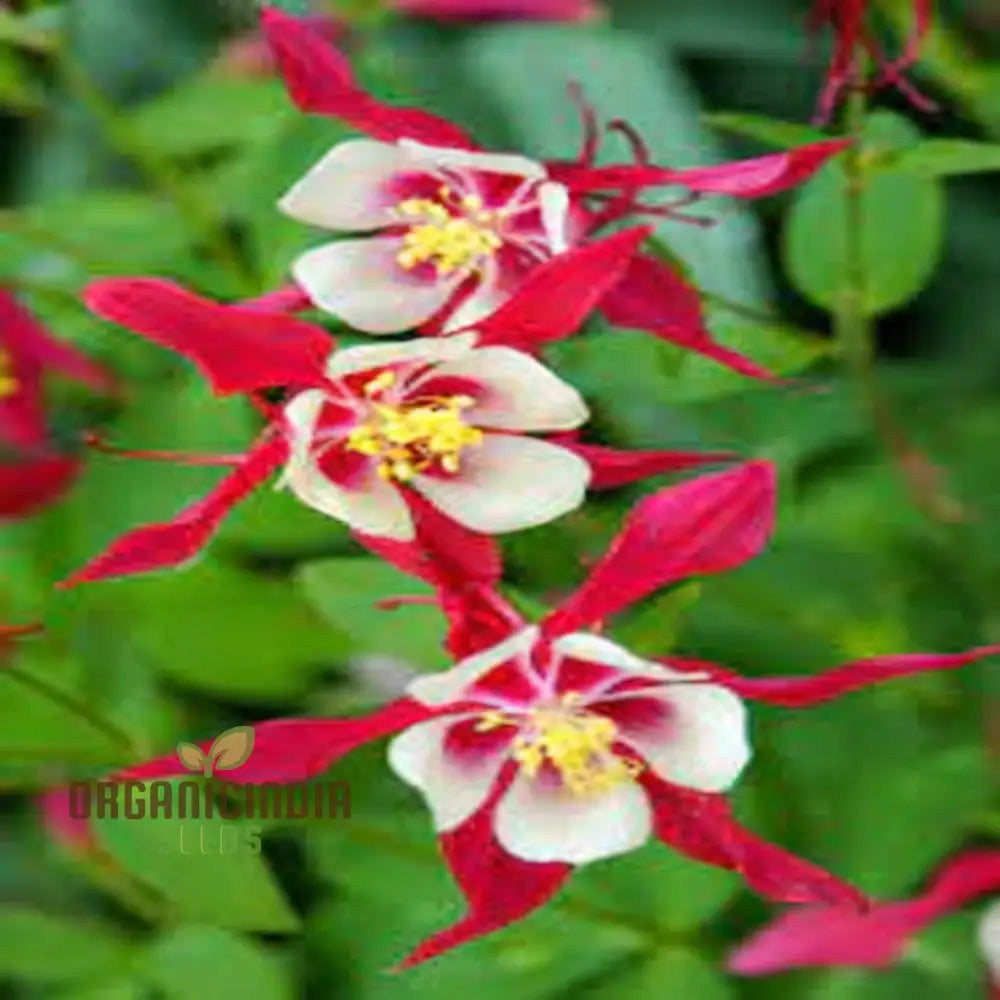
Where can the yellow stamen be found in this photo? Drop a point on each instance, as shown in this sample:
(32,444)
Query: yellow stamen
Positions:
(8,383)
(410,439)
(448,241)
(578,744)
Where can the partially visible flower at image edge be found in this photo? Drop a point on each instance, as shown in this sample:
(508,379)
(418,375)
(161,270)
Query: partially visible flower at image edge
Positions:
(832,937)
(547,747)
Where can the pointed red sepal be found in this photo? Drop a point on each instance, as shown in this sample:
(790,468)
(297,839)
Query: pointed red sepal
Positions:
(498,888)
(288,299)
(754,178)
(320,80)
(29,485)
(559,295)
(236,349)
(796,692)
(707,525)
(825,936)
(702,826)
(443,554)
(23,336)
(614,467)
(653,297)
(478,618)
(160,546)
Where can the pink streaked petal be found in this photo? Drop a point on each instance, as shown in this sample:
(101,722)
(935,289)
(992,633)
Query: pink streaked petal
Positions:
(653,297)
(159,546)
(237,349)
(835,936)
(29,485)
(559,295)
(702,826)
(614,467)
(796,692)
(319,79)
(444,554)
(23,336)
(707,525)
(499,889)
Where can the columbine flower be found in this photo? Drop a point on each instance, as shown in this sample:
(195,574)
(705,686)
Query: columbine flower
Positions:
(32,473)
(833,936)
(547,747)
(454,230)
(855,46)
(396,440)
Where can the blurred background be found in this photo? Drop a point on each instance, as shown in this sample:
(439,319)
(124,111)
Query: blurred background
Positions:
(152,137)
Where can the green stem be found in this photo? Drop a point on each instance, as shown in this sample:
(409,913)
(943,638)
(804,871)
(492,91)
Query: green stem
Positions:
(160,172)
(75,705)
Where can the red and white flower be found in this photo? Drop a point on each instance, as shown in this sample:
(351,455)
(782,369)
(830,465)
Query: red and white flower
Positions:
(829,937)
(446,220)
(455,230)
(445,419)
(400,441)
(547,747)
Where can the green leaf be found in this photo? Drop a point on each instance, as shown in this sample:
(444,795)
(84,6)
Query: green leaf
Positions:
(768,131)
(212,112)
(901,237)
(948,158)
(41,948)
(210,871)
(346,592)
(654,629)
(194,963)
(244,634)
(668,972)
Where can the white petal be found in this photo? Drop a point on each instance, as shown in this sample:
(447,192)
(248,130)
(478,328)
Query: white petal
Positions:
(453,792)
(554,202)
(372,505)
(463,159)
(507,483)
(362,283)
(526,396)
(989,940)
(346,189)
(703,744)
(484,301)
(439,689)
(597,649)
(428,350)
(538,822)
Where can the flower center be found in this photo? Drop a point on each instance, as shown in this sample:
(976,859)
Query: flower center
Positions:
(412,437)
(577,744)
(8,383)
(439,236)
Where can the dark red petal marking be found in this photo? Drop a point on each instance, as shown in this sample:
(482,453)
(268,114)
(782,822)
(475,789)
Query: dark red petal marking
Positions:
(707,525)
(558,296)
(499,888)
(320,80)
(158,546)
(701,826)
(653,297)
(237,349)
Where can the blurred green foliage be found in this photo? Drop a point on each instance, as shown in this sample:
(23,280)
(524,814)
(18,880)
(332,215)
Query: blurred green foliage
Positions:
(130,145)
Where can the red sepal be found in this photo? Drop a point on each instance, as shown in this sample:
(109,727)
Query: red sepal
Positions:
(702,826)
(237,349)
(29,485)
(561,293)
(706,525)
(320,80)
(159,546)
(498,888)
(653,297)
(796,692)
